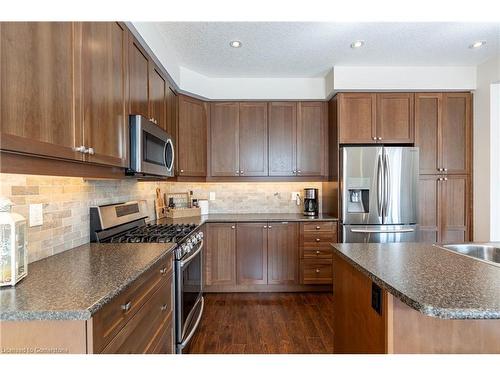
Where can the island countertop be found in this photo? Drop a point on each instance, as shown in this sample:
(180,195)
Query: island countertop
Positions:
(76,283)
(432,280)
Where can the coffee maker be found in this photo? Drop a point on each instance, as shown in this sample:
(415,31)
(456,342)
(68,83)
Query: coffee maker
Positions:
(311,202)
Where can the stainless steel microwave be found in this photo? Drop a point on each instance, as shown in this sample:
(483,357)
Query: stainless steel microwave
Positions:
(151,149)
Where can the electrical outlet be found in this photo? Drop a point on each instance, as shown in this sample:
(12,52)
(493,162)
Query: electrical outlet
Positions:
(212,196)
(36,215)
(295,195)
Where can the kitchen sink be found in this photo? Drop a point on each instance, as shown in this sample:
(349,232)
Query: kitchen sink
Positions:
(486,253)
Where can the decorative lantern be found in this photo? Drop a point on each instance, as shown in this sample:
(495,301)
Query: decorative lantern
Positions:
(13,252)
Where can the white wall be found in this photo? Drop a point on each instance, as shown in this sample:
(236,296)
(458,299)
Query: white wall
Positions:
(404,78)
(484,143)
(495,161)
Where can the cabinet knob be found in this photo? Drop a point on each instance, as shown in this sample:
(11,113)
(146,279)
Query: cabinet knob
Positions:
(379,138)
(445,179)
(317,270)
(317,252)
(232,227)
(299,171)
(90,151)
(317,240)
(269,226)
(237,172)
(265,226)
(374,138)
(126,307)
(241,172)
(163,307)
(163,270)
(182,170)
(80,149)
(445,169)
(318,227)
(294,171)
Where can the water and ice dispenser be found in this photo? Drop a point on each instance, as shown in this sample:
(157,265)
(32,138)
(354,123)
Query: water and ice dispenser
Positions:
(358,200)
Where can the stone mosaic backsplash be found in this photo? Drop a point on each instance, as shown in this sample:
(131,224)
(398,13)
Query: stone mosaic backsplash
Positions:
(66,202)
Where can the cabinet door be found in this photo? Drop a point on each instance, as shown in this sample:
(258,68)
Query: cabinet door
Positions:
(283,253)
(38,86)
(138,79)
(427,130)
(253,139)
(224,144)
(104,72)
(251,253)
(192,137)
(454,209)
(157,97)
(311,139)
(456,133)
(356,118)
(428,208)
(220,254)
(395,118)
(282,138)
(172,109)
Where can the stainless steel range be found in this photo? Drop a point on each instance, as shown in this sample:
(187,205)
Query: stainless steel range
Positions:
(126,222)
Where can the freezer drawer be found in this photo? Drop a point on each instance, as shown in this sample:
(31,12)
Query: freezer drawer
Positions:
(379,233)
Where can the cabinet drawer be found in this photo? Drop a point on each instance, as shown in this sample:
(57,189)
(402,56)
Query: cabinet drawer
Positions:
(145,330)
(165,344)
(316,271)
(320,226)
(108,321)
(323,252)
(316,238)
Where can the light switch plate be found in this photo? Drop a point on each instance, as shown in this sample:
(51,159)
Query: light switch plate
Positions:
(294,196)
(36,215)
(212,195)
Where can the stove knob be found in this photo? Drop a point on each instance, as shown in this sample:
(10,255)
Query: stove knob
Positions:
(194,240)
(200,235)
(185,249)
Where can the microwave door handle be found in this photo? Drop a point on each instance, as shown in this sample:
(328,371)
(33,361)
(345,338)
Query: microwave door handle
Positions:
(379,186)
(165,155)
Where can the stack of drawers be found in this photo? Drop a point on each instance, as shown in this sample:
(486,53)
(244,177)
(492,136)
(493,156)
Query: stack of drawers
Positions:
(315,251)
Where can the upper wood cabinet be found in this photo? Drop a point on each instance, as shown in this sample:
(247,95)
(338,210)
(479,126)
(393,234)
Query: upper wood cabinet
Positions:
(283,253)
(192,137)
(365,118)
(238,139)
(220,254)
(443,132)
(138,79)
(104,91)
(311,139)
(39,89)
(157,96)
(282,138)
(224,139)
(251,253)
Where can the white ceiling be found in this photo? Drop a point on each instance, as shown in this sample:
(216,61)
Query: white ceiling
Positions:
(310,49)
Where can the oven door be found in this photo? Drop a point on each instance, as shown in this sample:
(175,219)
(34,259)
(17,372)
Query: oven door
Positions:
(189,296)
(151,148)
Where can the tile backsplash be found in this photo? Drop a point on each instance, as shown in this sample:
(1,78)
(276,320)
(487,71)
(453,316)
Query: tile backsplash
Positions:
(66,202)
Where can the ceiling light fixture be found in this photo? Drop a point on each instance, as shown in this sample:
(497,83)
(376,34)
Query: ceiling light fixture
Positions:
(478,44)
(357,44)
(235,43)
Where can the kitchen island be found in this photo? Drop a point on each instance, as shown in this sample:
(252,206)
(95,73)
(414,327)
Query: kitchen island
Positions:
(414,298)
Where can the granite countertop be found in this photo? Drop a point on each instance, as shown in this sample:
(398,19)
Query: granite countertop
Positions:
(432,280)
(74,284)
(232,218)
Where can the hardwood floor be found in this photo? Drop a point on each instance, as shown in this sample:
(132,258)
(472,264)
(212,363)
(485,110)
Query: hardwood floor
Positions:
(244,323)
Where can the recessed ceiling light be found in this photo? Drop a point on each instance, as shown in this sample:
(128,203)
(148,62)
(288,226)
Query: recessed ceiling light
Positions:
(235,43)
(478,44)
(357,44)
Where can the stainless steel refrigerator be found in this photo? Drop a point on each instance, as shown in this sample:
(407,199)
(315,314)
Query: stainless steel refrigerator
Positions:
(379,194)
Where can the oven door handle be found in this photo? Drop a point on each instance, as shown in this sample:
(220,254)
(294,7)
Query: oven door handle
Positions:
(190,258)
(188,338)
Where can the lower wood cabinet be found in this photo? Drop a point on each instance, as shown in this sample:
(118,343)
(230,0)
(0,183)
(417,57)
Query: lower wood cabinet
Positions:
(283,253)
(251,253)
(444,208)
(220,254)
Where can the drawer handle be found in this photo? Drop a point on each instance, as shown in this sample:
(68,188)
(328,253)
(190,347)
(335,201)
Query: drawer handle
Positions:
(126,307)
(317,270)
(317,252)
(163,270)
(317,240)
(163,307)
(318,227)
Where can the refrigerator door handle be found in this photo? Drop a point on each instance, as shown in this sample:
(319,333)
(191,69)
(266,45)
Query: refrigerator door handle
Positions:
(387,179)
(379,186)
(406,230)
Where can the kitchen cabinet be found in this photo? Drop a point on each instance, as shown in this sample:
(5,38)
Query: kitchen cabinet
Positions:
(224,139)
(138,78)
(192,137)
(39,90)
(444,132)
(220,254)
(104,92)
(311,139)
(444,208)
(238,139)
(283,253)
(365,118)
(282,138)
(157,96)
(251,253)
